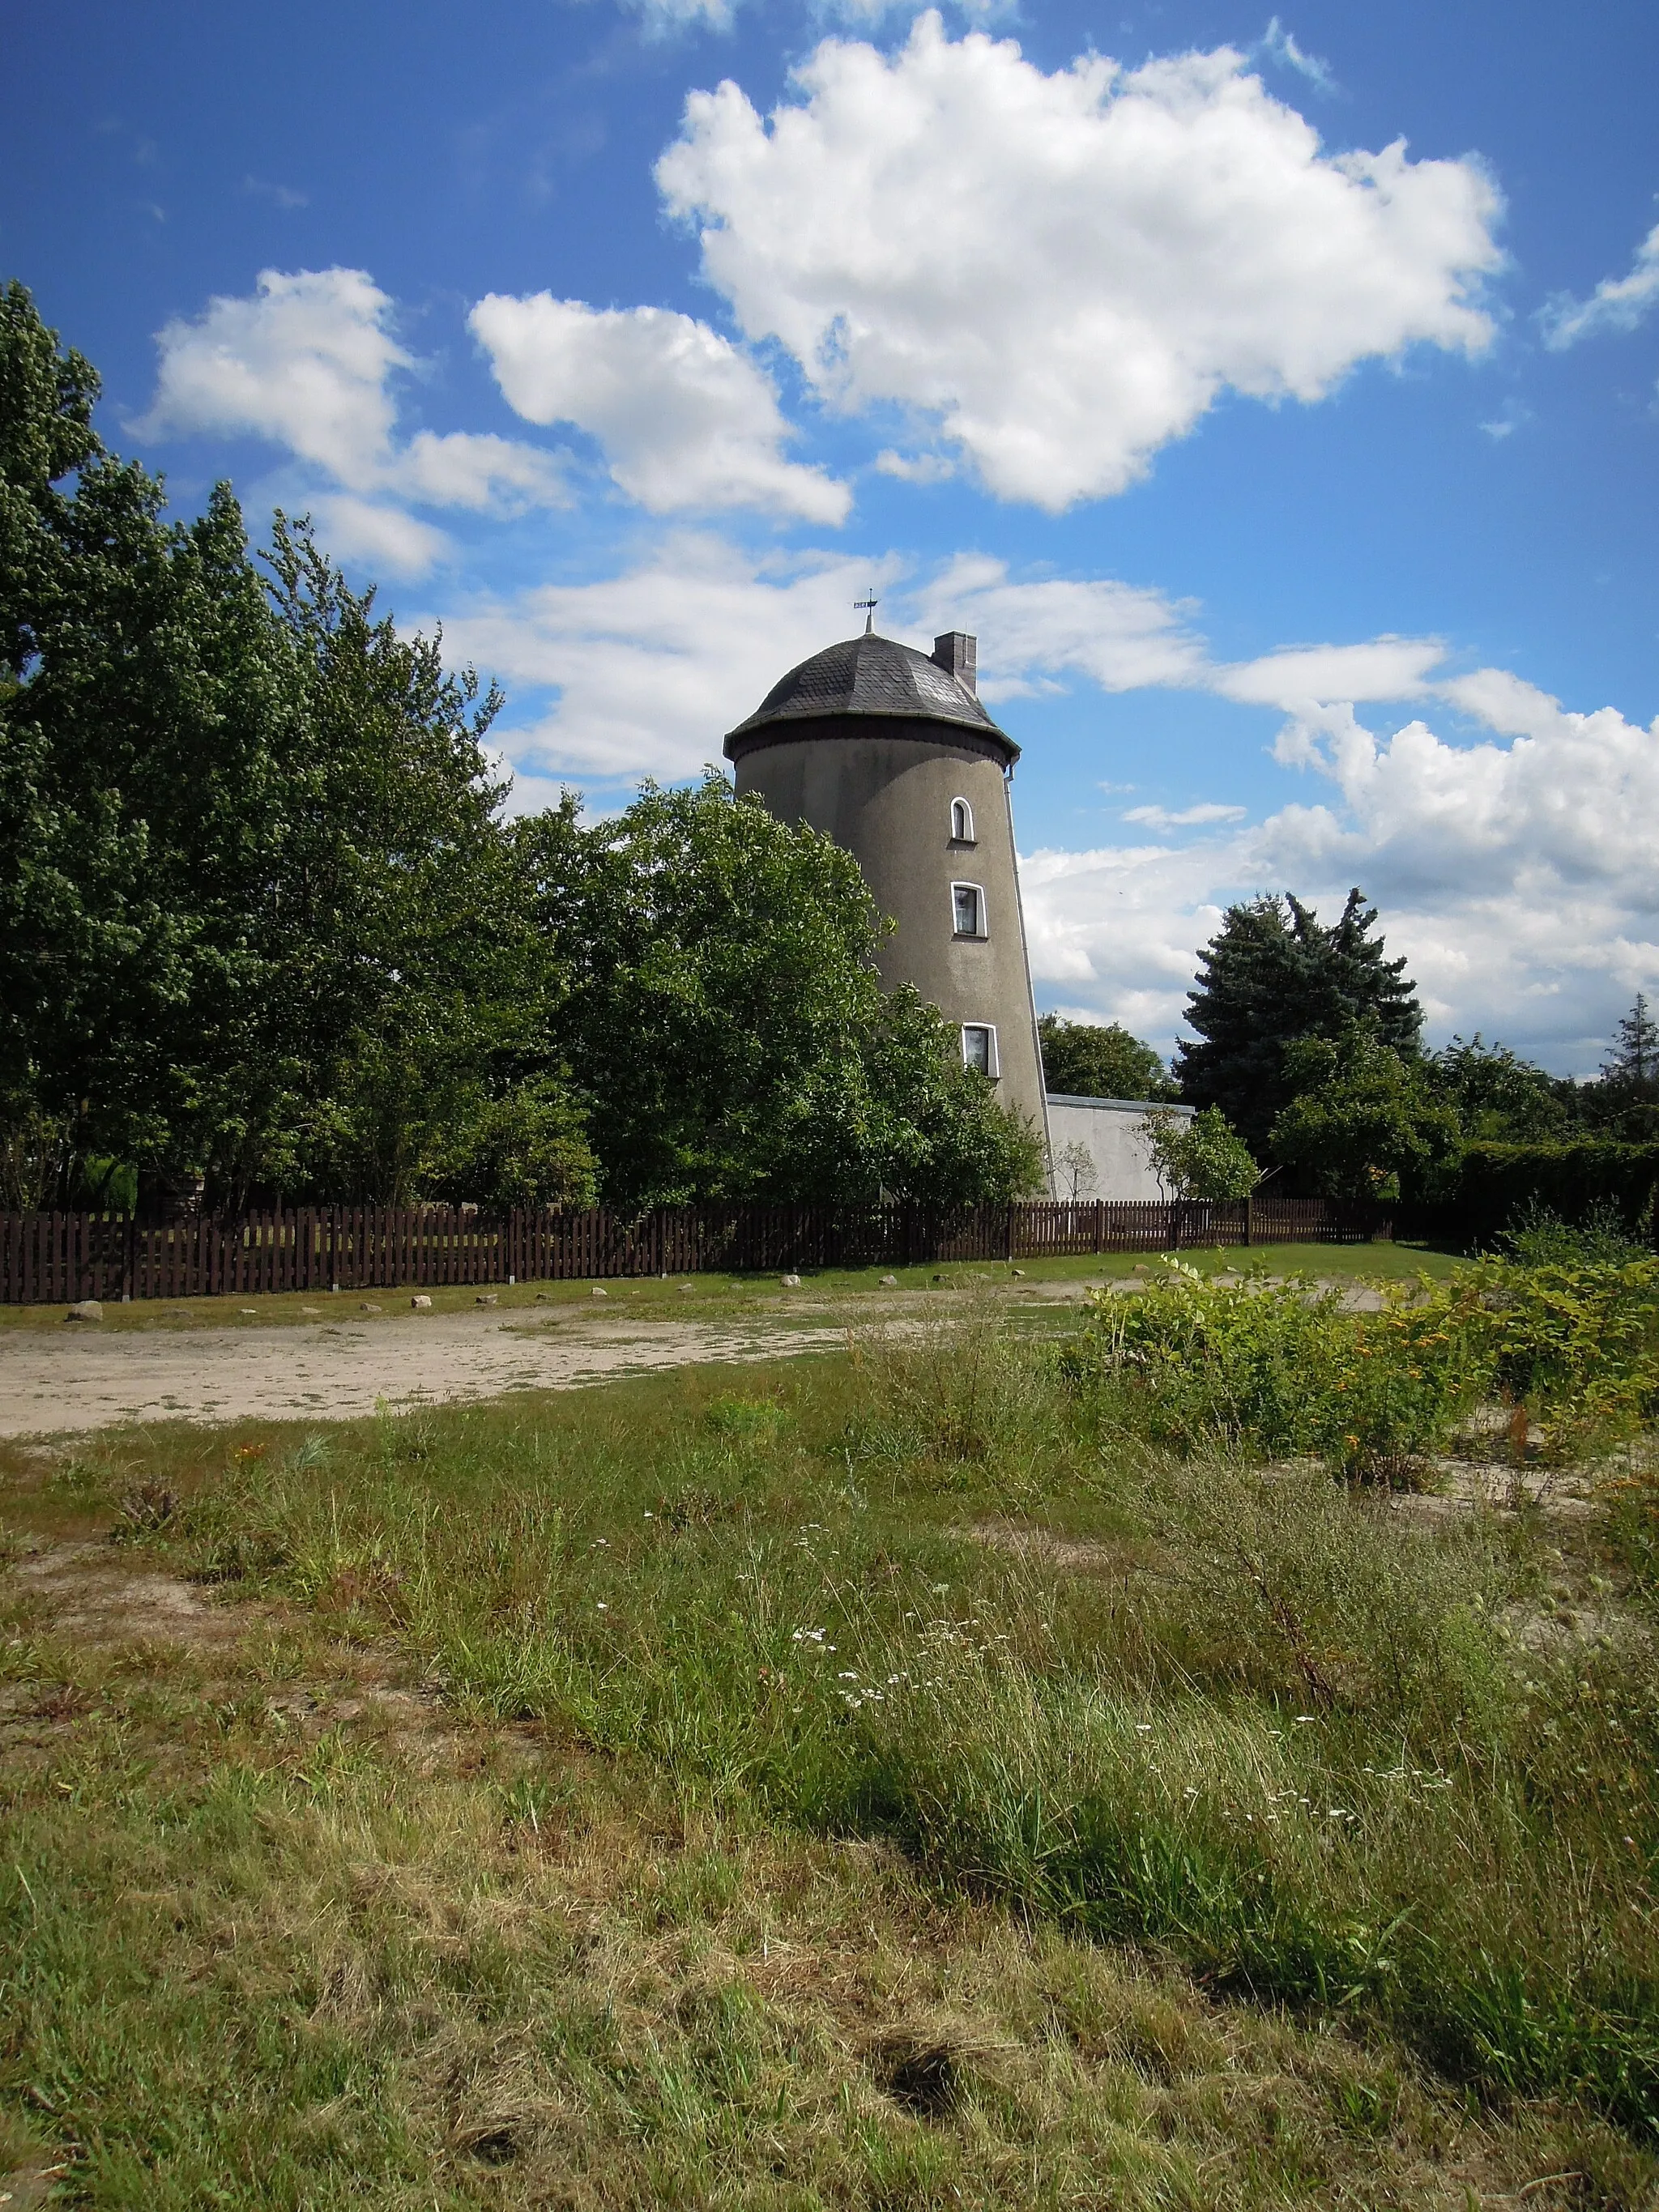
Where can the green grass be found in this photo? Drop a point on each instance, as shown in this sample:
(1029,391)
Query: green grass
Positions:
(870,1782)
(694,1295)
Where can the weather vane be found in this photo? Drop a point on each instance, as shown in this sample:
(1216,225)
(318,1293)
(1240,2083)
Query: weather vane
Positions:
(868,606)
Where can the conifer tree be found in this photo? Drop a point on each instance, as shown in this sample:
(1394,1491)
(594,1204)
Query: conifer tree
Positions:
(1633,1063)
(1273,974)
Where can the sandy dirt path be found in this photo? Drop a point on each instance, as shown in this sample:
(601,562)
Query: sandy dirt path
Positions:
(56,1385)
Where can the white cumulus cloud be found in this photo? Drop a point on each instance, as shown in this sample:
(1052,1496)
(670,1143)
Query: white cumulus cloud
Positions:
(380,536)
(1520,878)
(308,361)
(1618,303)
(685,419)
(653,666)
(1117,635)
(1188,817)
(1063,272)
(1302,676)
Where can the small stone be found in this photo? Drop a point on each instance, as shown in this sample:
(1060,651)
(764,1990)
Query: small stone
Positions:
(792,1282)
(890,1282)
(487,1298)
(85,1309)
(367,1308)
(422,1303)
(600,1293)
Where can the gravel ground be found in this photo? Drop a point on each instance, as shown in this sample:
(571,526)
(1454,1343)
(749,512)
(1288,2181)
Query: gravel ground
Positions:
(80,1379)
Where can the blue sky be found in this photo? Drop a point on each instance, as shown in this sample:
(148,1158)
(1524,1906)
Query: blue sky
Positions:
(1275,397)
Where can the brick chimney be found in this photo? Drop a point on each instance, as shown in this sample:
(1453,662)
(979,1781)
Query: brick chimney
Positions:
(955,654)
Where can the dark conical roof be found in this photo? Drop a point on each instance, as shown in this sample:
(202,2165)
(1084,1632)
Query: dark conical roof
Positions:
(871,675)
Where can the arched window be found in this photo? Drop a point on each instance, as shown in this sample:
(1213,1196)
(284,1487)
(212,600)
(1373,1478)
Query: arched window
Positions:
(962,823)
(979,1047)
(968,911)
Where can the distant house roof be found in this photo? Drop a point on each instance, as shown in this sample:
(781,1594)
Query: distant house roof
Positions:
(874,675)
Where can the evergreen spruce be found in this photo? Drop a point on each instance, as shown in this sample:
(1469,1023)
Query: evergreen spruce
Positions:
(1274,974)
(1633,1063)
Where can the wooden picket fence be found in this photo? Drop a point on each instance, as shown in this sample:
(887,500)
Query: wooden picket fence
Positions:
(51,1256)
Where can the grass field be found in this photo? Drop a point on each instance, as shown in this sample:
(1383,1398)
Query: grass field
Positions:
(695,1294)
(875,1782)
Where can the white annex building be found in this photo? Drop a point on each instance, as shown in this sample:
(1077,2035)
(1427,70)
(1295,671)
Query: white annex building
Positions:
(1098,1149)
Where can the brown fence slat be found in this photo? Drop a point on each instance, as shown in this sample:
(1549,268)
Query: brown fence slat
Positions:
(48,1256)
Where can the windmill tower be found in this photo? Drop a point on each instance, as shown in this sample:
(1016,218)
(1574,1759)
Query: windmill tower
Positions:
(890,752)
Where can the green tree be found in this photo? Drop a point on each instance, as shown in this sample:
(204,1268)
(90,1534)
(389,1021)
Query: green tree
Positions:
(419,994)
(1363,1120)
(1199,1156)
(141,674)
(1099,1060)
(1621,1103)
(261,925)
(1633,1063)
(1497,1097)
(727,1027)
(1272,974)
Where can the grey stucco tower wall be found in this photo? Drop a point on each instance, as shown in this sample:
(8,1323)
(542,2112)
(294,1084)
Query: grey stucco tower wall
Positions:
(890,752)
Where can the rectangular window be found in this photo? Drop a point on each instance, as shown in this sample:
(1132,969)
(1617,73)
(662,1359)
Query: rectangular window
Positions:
(979,1047)
(967,907)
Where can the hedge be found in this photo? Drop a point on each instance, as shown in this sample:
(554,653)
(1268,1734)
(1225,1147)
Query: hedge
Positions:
(1487,1188)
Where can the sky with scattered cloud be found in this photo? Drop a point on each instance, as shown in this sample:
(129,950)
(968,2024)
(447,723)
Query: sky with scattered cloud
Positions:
(1276,396)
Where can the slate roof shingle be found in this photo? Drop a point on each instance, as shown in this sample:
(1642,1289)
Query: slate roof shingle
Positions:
(871,675)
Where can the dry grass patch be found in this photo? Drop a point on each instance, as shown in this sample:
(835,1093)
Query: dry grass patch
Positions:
(489,1807)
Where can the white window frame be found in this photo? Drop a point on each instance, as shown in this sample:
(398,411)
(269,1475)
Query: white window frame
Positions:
(988,1029)
(978,936)
(962,823)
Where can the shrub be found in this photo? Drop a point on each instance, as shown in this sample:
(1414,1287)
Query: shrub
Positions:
(1577,1344)
(1493,1182)
(1279,1368)
(1275,1370)
(1199,1156)
(1538,1237)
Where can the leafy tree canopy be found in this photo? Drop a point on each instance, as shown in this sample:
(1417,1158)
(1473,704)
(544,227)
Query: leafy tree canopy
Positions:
(1199,1156)
(1498,1097)
(1363,1120)
(260,923)
(1097,1059)
(1274,973)
(727,1026)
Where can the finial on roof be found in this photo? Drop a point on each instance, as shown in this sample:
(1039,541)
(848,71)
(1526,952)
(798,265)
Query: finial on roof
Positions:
(869,605)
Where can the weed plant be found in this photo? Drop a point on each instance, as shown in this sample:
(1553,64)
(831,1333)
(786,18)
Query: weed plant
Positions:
(1280,1368)
(1059,1623)
(1247,1715)
(1276,1369)
(1538,1237)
